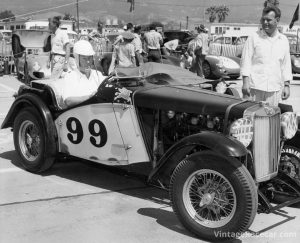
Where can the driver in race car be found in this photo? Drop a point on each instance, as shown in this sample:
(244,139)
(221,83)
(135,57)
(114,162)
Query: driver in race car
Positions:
(80,84)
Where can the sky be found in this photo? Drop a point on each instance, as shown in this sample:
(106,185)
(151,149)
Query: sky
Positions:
(241,11)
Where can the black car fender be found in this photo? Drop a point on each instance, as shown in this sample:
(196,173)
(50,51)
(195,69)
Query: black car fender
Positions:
(33,100)
(207,140)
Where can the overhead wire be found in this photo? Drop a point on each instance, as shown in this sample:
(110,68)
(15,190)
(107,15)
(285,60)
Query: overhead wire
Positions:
(43,10)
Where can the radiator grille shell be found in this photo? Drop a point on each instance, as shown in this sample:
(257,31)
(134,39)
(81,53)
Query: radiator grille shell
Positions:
(266,145)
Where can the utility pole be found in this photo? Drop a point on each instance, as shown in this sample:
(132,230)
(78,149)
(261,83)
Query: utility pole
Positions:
(180,25)
(203,12)
(77,9)
(187,22)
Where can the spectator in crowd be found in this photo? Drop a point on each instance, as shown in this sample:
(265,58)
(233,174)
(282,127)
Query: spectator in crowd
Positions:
(129,28)
(82,83)
(138,47)
(170,46)
(60,48)
(124,53)
(266,63)
(186,60)
(199,48)
(153,41)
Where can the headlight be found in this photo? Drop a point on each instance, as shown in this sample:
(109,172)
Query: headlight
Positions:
(289,124)
(228,63)
(242,130)
(297,62)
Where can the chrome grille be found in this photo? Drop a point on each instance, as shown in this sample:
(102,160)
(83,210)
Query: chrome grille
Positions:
(266,146)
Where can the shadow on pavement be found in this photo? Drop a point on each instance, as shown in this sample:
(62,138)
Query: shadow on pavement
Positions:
(166,219)
(111,179)
(280,213)
(13,157)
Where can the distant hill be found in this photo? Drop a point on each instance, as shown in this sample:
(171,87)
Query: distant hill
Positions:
(241,11)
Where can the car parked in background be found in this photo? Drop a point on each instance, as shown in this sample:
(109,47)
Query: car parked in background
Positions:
(31,50)
(295,52)
(229,46)
(220,66)
(184,37)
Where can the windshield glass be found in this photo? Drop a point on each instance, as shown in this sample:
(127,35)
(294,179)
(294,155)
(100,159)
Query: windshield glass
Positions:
(161,74)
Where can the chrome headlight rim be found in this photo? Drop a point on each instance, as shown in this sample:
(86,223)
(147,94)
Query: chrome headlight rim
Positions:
(289,124)
(242,130)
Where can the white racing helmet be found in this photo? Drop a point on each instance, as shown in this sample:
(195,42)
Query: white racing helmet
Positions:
(82,48)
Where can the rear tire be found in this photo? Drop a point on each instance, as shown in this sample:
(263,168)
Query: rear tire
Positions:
(213,198)
(30,141)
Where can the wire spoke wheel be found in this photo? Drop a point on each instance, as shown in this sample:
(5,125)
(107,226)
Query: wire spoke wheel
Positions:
(29,140)
(32,142)
(209,198)
(212,193)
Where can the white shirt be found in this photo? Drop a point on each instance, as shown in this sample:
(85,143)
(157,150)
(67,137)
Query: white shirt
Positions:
(153,39)
(201,40)
(76,84)
(172,45)
(266,61)
(59,41)
(137,43)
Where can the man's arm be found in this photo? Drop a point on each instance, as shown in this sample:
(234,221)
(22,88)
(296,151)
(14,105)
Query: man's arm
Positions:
(286,69)
(67,56)
(246,63)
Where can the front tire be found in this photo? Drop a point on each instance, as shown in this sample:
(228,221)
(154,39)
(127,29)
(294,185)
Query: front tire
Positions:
(30,141)
(213,198)
(206,70)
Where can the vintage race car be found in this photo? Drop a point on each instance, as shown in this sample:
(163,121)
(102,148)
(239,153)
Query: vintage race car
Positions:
(221,66)
(228,46)
(216,154)
(31,49)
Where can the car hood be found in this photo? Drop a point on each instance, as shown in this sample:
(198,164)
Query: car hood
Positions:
(185,99)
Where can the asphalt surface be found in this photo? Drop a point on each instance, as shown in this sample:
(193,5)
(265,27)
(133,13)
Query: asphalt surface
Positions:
(84,202)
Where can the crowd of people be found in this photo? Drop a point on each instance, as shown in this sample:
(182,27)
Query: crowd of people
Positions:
(265,63)
(131,48)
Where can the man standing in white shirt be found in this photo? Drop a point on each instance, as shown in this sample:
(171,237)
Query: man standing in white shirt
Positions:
(266,63)
(60,48)
(198,47)
(153,40)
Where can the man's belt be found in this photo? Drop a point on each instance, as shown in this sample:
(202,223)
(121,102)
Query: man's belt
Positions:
(58,54)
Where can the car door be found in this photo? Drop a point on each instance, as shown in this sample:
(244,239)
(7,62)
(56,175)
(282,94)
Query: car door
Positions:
(91,132)
(131,133)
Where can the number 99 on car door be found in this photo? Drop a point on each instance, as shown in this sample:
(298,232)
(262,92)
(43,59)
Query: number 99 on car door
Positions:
(92,132)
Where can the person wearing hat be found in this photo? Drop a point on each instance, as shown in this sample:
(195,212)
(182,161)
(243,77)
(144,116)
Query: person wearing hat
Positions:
(124,53)
(60,48)
(81,83)
(127,28)
(199,48)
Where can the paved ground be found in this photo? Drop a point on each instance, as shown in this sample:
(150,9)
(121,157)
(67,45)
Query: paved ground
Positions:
(77,202)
